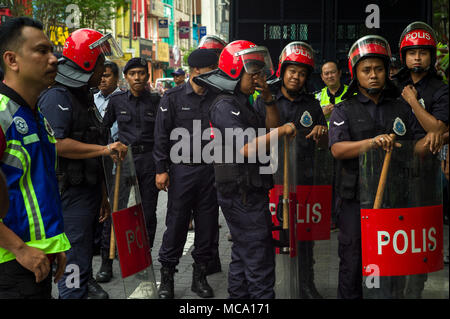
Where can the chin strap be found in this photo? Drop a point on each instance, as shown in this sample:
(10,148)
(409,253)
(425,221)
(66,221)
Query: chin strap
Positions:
(293,93)
(418,69)
(372,91)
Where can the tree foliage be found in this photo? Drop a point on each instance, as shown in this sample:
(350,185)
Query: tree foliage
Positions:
(92,13)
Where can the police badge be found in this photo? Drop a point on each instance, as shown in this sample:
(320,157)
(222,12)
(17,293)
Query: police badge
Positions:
(306,119)
(399,127)
(21,125)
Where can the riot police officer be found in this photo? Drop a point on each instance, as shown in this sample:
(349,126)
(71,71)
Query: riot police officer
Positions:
(216,45)
(422,87)
(362,122)
(187,178)
(427,95)
(242,183)
(135,112)
(81,140)
(298,106)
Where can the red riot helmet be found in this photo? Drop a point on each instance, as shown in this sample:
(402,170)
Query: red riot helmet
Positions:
(242,55)
(418,35)
(369,46)
(80,54)
(297,52)
(84,46)
(212,42)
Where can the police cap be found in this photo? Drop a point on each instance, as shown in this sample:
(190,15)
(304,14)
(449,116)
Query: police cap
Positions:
(202,58)
(135,63)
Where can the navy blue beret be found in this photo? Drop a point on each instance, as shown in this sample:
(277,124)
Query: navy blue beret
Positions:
(135,63)
(202,58)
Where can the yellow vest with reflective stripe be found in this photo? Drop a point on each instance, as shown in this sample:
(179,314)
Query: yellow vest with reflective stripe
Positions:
(324,99)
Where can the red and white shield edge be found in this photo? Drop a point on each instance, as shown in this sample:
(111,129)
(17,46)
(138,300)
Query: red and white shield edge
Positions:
(402,241)
(132,241)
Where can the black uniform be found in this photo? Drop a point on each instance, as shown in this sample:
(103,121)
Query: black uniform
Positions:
(242,193)
(305,112)
(356,119)
(432,94)
(135,118)
(191,186)
(72,114)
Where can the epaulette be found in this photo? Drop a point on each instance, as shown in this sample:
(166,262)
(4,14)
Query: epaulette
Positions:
(118,93)
(175,89)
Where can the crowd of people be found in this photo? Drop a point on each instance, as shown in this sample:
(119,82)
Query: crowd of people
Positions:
(58,117)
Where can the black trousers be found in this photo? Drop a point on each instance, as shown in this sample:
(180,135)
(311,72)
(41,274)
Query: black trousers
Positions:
(17,282)
(349,249)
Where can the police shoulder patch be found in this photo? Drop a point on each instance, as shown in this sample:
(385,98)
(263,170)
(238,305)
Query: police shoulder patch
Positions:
(48,128)
(422,102)
(306,120)
(21,125)
(399,127)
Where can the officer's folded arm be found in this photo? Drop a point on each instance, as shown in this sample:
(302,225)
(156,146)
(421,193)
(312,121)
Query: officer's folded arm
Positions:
(70,148)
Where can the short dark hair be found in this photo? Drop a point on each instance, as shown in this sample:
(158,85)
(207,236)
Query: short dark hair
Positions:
(11,34)
(114,68)
(330,61)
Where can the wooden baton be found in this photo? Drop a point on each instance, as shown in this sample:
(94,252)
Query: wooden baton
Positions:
(112,243)
(383,177)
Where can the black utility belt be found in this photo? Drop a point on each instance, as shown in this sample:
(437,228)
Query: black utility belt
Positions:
(194,164)
(141,148)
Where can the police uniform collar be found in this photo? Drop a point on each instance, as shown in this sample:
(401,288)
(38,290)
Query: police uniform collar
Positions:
(190,90)
(13,95)
(383,97)
(302,95)
(241,97)
(362,98)
(338,92)
(188,87)
(130,95)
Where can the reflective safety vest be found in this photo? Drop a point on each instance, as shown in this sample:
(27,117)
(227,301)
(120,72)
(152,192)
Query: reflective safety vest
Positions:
(29,161)
(324,99)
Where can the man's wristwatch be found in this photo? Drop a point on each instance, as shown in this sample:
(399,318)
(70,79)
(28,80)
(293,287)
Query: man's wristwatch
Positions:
(271,102)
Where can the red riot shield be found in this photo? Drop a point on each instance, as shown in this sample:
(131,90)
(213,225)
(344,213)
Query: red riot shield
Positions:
(281,204)
(402,240)
(312,179)
(303,263)
(130,234)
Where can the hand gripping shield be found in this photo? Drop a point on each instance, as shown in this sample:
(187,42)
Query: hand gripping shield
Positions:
(128,231)
(402,224)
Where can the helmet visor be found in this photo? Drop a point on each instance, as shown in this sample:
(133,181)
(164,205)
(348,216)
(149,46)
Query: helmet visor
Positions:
(298,51)
(211,42)
(256,60)
(371,45)
(108,46)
